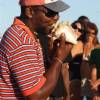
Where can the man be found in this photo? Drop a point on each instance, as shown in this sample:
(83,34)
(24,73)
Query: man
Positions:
(21,60)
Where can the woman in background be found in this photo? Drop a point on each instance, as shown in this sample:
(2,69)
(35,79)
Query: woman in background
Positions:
(90,44)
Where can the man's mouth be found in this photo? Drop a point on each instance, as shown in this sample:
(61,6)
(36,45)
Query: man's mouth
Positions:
(50,28)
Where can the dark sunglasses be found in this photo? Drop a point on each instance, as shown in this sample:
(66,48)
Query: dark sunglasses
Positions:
(50,13)
(47,12)
(80,30)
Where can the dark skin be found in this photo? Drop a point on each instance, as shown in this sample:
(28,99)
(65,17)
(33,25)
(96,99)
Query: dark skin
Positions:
(37,21)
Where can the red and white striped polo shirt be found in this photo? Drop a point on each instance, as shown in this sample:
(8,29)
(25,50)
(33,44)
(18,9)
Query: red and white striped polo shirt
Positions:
(21,63)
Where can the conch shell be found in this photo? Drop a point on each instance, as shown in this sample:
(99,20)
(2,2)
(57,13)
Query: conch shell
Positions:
(64,27)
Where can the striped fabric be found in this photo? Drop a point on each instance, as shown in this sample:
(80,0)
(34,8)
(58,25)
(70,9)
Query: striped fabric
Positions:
(21,64)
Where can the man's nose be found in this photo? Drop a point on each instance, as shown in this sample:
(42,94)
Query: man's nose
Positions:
(55,17)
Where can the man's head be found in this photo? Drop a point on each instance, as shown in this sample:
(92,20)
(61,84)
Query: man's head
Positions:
(42,13)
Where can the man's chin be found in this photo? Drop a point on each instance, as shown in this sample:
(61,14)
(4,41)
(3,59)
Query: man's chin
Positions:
(47,31)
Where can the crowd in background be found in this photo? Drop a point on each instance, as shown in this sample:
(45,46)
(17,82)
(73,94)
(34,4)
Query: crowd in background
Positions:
(76,79)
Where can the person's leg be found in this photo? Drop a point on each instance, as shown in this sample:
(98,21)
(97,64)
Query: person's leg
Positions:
(75,89)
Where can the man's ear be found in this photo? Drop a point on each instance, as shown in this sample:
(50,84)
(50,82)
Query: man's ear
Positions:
(29,12)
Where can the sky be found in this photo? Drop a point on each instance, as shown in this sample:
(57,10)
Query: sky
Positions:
(91,8)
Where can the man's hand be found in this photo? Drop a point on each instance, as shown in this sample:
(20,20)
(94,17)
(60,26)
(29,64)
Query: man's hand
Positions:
(63,48)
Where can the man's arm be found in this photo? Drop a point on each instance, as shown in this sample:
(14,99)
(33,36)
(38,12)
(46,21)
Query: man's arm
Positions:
(53,73)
